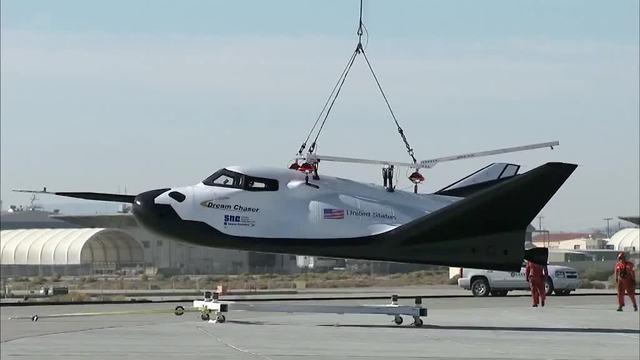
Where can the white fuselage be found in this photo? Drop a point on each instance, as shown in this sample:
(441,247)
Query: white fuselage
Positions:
(333,208)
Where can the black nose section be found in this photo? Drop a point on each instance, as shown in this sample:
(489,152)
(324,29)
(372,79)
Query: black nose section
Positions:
(157,217)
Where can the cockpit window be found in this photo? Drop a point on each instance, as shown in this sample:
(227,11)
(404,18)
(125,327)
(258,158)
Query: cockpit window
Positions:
(231,179)
(256,185)
(260,184)
(225,178)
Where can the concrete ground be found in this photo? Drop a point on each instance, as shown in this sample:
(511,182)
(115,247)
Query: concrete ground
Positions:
(571,327)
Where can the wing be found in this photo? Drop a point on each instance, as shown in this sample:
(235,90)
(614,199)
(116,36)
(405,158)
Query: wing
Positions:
(485,230)
(119,198)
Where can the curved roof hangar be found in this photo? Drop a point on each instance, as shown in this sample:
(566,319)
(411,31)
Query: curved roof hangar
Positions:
(68,247)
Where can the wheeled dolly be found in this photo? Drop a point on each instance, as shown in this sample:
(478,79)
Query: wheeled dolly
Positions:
(211,305)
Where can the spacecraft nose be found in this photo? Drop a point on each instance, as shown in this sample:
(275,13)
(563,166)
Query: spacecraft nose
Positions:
(147,212)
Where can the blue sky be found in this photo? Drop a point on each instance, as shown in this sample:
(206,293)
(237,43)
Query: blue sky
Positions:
(468,20)
(99,95)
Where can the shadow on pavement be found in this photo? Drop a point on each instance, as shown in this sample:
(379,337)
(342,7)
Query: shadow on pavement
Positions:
(505,328)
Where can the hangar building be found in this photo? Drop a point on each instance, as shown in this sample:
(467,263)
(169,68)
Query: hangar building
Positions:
(626,240)
(101,237)
(44,252)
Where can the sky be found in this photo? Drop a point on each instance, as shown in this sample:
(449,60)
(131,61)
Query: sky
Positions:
(99,96)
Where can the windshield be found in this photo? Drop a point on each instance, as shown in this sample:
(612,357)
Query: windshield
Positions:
(232,179)
(225,178)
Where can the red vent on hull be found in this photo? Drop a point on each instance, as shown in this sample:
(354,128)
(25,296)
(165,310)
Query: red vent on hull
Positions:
(306,168)
(416,177)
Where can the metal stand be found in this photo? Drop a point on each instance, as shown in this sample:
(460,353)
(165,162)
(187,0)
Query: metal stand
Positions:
(211,305)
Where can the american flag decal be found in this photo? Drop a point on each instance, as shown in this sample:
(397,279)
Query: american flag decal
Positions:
(333,214)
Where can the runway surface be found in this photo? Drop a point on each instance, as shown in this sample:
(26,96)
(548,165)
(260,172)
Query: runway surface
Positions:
(571,327)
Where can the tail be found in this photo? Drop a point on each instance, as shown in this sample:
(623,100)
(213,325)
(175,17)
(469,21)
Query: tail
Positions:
(486,229)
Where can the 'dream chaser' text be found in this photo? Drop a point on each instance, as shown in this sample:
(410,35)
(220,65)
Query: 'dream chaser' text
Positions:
(229,207)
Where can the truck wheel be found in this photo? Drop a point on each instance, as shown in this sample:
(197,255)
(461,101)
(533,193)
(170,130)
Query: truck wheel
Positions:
(548,286)
(480,287)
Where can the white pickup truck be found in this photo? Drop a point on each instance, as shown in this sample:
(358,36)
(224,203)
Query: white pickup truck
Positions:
(561,281)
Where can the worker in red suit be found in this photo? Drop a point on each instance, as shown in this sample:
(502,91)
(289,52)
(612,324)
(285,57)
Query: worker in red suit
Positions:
(626,281)
(537,275)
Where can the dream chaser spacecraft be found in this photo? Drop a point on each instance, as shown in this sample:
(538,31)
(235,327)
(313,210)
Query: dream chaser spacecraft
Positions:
(478,221)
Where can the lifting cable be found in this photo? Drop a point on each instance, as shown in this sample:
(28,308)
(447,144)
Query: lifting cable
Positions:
(333,96)
(338,84)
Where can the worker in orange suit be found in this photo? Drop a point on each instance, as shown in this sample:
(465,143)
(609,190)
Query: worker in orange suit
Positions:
(626,281)
(537,275)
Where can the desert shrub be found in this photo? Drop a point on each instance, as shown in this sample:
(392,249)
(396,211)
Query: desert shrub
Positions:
(595,274)
(585,283)
(453,280)
(214,278)
(36,280)
(589,284)
(72,297)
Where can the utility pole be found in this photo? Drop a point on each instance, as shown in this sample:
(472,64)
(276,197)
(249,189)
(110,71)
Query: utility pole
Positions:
(540,228)
(540,222)
(607,220)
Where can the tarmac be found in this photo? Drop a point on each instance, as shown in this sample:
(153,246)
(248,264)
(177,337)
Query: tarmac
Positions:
(458,327)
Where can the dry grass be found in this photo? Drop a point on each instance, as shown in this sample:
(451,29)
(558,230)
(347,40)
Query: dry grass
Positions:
(332,279)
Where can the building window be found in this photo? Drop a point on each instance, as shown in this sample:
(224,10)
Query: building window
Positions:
(159,243)
(576,247)
(146,244)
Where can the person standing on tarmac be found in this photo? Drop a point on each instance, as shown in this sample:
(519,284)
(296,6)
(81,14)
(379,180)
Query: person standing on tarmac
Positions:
(537,275)
(626,281)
